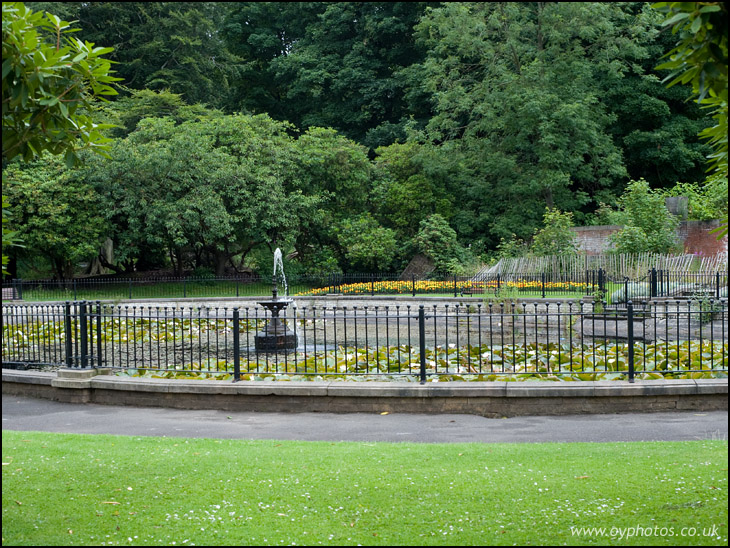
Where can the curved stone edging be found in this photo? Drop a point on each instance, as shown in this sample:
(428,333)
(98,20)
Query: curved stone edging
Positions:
(489,399)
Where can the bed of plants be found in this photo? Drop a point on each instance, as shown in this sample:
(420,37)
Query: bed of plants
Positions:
(514,362)
(398,287)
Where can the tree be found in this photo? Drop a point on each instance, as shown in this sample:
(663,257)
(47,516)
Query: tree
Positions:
(174,46)
(56,213)
(49,76)
(700,59)
(504,109)
(126,112)
(336,172)
(649,225)
(411,185)
(49,79)
(556,236)
(343,71)
(437,240)
(203,192)
(368,246)
(259,33)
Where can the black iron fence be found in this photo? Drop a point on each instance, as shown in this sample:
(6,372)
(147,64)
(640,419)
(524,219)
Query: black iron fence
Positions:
(656,283)
(481,341)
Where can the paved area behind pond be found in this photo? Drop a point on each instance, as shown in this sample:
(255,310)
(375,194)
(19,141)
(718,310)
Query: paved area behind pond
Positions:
(27,414)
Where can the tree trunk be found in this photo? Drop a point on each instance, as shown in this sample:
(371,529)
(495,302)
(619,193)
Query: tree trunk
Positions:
(221,258)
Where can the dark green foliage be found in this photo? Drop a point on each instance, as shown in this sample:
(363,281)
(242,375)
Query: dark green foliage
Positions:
(127,111)
(368,246)
(481,114)
(259,33)
(203,191)
(649,225)
(556,237)
(56,213)
(437,240)
(50,80)
(49,77)
(413,184)
(163,45)
(700,59)
(343,72)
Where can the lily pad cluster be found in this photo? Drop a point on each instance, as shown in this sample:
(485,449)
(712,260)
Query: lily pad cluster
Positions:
(536,361)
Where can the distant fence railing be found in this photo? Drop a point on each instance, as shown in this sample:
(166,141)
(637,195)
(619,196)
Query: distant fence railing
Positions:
(482,341)
(656,283)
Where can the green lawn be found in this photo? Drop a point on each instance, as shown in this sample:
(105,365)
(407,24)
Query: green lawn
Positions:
(176,291)
(62,489)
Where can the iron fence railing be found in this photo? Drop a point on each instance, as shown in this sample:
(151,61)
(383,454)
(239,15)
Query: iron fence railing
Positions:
(482,341)
(655,283)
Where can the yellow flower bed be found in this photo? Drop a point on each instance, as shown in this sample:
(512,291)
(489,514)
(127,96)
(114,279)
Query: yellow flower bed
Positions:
(430,286)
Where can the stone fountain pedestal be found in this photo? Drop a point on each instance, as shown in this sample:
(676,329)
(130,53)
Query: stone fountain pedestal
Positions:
(276,336)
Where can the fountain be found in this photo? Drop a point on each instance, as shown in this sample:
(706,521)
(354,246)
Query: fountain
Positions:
(276,336)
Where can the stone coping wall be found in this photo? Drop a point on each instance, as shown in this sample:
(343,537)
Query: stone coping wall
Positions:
(488,399)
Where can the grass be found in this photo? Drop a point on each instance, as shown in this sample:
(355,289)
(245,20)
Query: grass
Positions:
(217,289)
(65,489)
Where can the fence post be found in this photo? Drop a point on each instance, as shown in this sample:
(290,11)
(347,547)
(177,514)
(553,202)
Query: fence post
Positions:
(75,295)
(130,289)
(653,283)
(185,287)
(236,347)
(630,334)
(422,341)
(717,285)
(542,278)
(69,341)
(98,334)
(413,284)
(600,280)
(455,293)
(372,285)
(18,289)
(84,334)
(662,287)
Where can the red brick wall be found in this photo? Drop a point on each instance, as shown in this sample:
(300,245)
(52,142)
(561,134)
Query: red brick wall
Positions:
(694,235)
(594,239)
(697,238)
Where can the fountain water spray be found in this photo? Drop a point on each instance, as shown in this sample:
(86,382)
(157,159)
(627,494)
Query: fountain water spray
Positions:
(278,262)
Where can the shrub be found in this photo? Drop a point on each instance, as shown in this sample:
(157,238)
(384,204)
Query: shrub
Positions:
(649,225)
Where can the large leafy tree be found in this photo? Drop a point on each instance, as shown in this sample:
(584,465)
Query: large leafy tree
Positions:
(412,183)
(56,213)
(50,82)
(259,33)
(203,192)
(163,45)
(344,71)
(336,171)
(655,126)
(517,102)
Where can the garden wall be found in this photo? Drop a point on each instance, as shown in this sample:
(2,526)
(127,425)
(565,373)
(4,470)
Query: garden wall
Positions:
(695,237)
